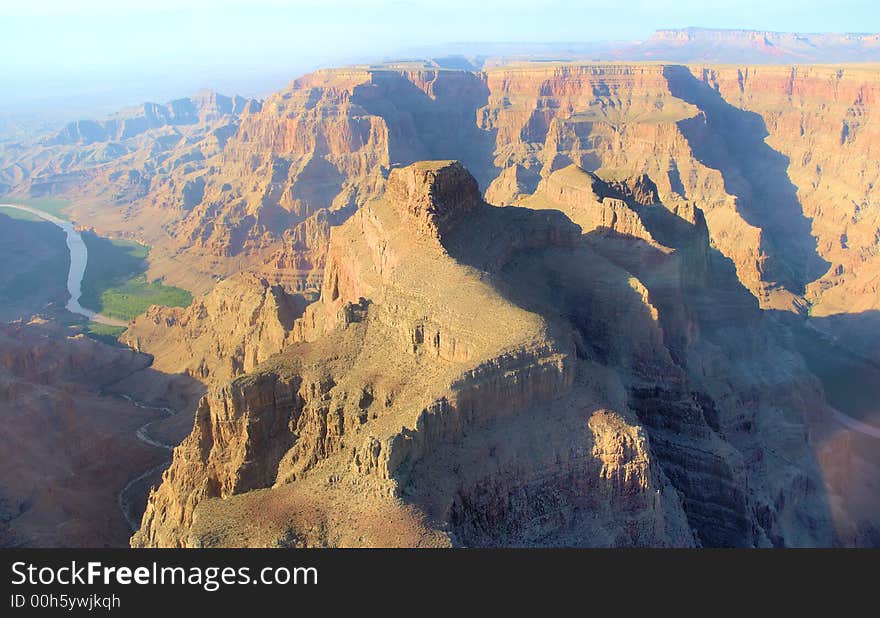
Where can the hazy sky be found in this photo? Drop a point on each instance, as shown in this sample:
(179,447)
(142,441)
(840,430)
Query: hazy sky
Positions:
(128,50)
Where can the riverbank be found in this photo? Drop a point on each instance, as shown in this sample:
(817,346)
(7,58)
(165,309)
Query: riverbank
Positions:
(106,279)
(79,257)
(116,284)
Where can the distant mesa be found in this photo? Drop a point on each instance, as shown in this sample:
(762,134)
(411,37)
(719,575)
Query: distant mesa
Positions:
(205,106)
(756,46)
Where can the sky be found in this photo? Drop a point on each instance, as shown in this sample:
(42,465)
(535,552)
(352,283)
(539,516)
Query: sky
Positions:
(78,53)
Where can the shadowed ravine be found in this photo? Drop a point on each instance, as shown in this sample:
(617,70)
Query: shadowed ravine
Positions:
(125,499)
(731,141)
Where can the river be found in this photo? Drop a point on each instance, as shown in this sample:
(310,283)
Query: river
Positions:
(79,257)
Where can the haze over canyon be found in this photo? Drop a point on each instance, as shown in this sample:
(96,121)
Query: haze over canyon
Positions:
(521,299)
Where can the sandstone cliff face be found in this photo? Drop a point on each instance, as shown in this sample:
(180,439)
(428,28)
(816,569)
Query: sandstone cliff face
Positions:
(240,324)
(623,120)
(596,407)
(822,120)
(319,150)
(691,197)
(516,124)
(792,211)
(435,196)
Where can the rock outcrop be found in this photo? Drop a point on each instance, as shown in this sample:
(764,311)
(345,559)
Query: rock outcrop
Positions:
(202,108)
(241,323)
(821,120)
(657,234)
(435,195)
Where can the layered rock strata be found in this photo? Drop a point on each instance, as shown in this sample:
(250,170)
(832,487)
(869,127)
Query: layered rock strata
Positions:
(509,376)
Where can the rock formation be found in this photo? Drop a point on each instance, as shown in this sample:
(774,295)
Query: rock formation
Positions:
(507,376)
(436,196)
(264,197)
(240,324)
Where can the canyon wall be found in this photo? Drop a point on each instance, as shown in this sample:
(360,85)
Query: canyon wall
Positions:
(822,120)
(242,322)
(780,160)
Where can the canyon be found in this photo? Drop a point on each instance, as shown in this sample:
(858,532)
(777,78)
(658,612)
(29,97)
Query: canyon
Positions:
(578,415)
(264,199)
(529,304)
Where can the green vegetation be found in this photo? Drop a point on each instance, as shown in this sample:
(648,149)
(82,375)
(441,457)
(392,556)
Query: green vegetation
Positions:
(99,332)
(115,284)
(135,295)
(104,333)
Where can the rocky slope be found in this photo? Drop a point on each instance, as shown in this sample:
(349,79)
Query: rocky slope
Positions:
(603,403)
(58,434)
(821,119)
(79,422)
(661,121)
(779,158)
(706,209)
(112,169)
(125,155)
(240,324)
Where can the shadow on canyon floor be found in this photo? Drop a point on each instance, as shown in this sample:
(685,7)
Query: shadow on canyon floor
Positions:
(731,140)
(849,376)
